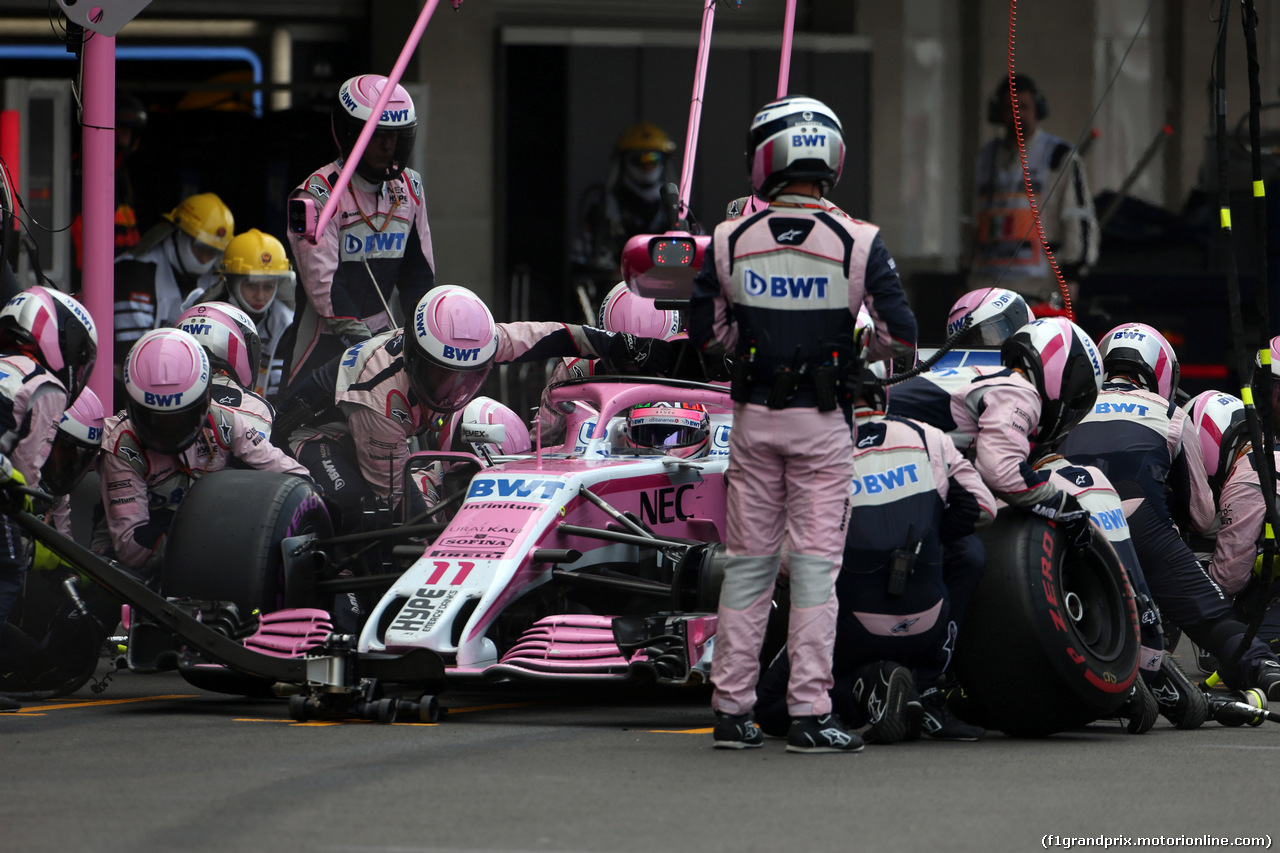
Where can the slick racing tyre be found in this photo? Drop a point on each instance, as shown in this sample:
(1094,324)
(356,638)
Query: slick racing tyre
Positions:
(225,541)
(1050,641)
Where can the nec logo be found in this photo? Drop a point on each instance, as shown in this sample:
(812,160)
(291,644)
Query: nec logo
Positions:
(490,488)
(197,328)
(809,140)
(162,399)
(885,481)
(1121,408)
(353,245)
(785,286)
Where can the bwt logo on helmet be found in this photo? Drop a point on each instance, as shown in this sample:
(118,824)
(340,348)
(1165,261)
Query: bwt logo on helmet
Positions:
(462,353)
(395,115)
(1129,335)
(809,140)
(786,286)
(153,399)
(197,329)
(380,242)
(348,101)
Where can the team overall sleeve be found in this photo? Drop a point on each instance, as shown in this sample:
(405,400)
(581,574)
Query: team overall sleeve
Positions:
(1008,415)
(712,328)
(126,503)
(1236,548)
(381,449)
(886,301)
(321,274)
(1192,498)
(970,504)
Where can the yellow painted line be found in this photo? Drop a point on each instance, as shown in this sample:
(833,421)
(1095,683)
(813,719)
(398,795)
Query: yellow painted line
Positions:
(706,731)
(40,709)
(494,707)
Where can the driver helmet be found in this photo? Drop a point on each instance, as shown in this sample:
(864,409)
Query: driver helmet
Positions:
(55,330)
(449,347)
(1140,351)
(675,429)
(255,269)
(1064,365)
(228,336)
(794,139)
(75,444)
(166,376)
(997,313)
(624,311)
(205,227)
(356,99)
(486,410)
(643,150)
(1221,428)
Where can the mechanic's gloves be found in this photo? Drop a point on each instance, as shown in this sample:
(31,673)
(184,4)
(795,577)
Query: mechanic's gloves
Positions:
(350,330)
(632,354)
(11,500)
(1064,510)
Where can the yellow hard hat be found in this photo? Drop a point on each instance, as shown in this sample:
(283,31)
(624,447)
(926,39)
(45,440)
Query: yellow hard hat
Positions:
(254,252)
(644,136)
(205,218)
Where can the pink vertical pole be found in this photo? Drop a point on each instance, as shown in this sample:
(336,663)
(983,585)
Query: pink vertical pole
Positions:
(788,33)
(695,107)
(366,133)
(98,211)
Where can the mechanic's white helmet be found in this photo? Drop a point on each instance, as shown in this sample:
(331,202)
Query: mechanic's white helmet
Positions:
(166,376)
(1140,351)
(675,429)
(486,410)
(1064,365)
(228,336)
(55,330)
(449,347)
(794,139)
(624,311)
(1221,427)
(997,313)
(75,444)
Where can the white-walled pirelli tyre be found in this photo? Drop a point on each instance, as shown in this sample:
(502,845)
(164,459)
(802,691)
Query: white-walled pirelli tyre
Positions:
(1050,641)
(224,544)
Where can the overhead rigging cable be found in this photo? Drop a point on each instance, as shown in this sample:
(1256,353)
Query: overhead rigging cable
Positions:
(1263,439)
(1036,225)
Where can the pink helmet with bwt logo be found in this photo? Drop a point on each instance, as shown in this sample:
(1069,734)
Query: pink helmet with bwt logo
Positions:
(624,311)
(75,444)
(167,379)
(1065,367)
(228,336)
(1221,427)
(56,331)
(1140,351)
(356,100)
(449,346)
(486,411)
(997,313)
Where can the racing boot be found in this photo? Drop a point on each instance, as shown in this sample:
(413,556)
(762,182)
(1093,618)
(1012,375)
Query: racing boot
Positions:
(736,731)
(1268,679)
(882,691)
(1180,701)
(1140,710)
(821,734)
(940,723)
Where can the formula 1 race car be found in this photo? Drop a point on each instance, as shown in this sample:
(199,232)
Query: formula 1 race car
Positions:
(591,561)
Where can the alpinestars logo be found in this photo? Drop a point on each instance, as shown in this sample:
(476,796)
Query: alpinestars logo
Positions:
(1082,480)
(225,429)
(836,737)
(904,625)
(1166,694)
(789,236)
(401,415)
(129,453)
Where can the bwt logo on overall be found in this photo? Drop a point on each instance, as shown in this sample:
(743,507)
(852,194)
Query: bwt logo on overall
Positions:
(786,286)
(1121,408)
(885,481)
(353,245)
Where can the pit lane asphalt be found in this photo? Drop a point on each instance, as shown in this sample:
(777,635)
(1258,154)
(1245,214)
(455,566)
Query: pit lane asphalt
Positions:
(153,764)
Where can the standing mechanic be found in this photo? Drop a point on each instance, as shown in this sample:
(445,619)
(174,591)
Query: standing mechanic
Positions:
(1006,249)
(48,344)
(1142,441)
(378,240)
(781,289)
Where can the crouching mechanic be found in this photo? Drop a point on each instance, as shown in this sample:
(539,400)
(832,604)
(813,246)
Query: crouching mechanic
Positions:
(1049,377)
(349,422)
(231,342)
(911,494)
(170,435)
(1142,441)
(48,344)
